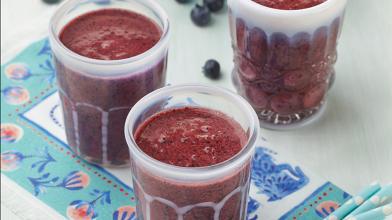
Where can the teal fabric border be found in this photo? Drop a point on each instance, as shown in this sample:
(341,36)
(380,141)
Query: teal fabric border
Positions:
(39,162)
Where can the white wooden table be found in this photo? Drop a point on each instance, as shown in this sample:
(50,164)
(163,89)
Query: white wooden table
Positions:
(351,145)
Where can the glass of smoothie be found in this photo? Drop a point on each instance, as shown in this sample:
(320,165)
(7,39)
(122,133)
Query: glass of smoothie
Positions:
(108,55)
(191,147)
(284,56)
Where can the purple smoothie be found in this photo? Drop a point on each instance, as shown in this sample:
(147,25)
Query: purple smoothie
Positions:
(191,137)
(95,106)
(285,78)
(285,70)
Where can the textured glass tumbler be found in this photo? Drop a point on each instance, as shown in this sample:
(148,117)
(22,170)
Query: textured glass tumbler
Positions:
(96,95)
(284,59)
(217,192)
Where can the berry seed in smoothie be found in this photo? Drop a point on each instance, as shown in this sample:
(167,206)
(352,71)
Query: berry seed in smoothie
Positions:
(191,137)
(95,106)
(289,4)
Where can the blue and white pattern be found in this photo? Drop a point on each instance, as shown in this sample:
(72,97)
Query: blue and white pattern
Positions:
(275,180)
(82,210)
(75,180)
(11,160)
(253,205)
(45,49)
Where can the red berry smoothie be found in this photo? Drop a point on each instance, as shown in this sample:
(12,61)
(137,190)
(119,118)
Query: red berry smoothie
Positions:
(191,137)
(284,59)
(95,106)
(110,34)
(289,4)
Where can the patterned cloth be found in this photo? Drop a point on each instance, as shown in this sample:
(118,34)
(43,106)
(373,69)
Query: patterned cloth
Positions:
(34,154)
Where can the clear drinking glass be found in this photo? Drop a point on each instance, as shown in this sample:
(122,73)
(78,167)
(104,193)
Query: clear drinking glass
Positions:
(218,192)
(284,59)
(96,95)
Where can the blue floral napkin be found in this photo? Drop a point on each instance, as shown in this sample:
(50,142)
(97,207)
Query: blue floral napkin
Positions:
(35,156)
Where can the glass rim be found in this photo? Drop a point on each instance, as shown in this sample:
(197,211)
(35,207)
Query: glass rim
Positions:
(282,12)
(150,4)
(193,173)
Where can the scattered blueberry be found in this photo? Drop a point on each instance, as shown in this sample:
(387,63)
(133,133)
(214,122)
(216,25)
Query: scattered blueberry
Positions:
(51,1)
(211,69)
(200,15)
(214,5)
(183,1)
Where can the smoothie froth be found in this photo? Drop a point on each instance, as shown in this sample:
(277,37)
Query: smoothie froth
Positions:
(110,34)
(289,4)
(190,137)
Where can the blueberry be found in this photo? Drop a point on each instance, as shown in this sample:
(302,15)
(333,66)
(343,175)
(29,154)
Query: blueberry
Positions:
(200,15)
(211,69)
(183,1)
(51,1)
(214,5)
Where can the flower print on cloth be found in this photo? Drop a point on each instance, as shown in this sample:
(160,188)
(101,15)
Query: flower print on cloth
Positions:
(17,71)
(45,49)
(85,210)
(125,213)
(317,205)
(12,160)
(50,72)
(11,133)
(253,205)
(80,210)
(21,72)
(15,95)
(47,66)
(75,180)
(325,208)
(275,180)
(44,158)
